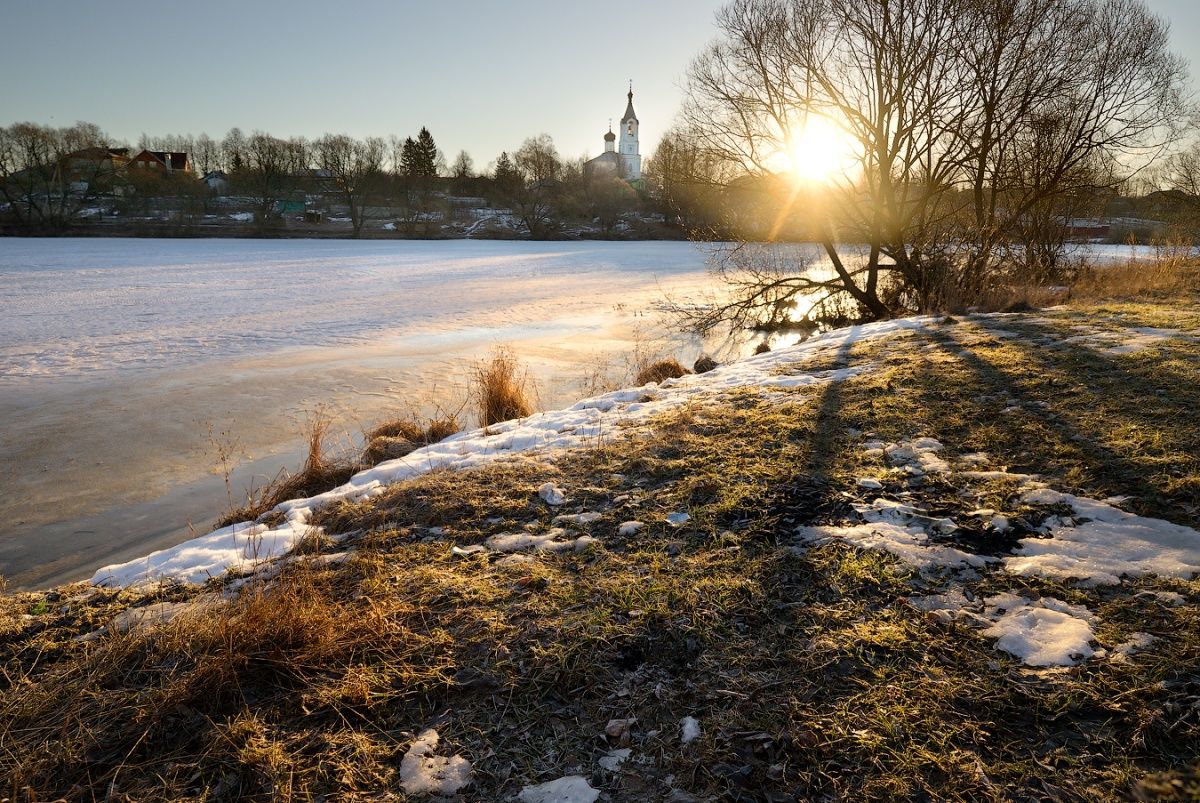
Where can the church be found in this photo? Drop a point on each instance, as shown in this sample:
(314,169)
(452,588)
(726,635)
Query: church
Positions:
(624,161)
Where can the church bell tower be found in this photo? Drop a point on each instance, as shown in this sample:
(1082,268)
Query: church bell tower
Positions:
(630,152)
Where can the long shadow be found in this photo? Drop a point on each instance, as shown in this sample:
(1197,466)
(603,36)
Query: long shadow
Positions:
(1124,475)
(828,423)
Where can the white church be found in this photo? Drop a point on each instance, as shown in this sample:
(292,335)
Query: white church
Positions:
(626,160)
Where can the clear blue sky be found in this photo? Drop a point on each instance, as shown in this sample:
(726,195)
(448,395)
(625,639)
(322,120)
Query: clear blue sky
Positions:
(483,75)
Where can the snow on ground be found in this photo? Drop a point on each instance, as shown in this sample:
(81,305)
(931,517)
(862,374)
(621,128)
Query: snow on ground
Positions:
(1127,340)
(689,730)
(422,772)
(621,413)
(1043,632)
(900,530)
(571,789)
(1104,544)
(1098,545)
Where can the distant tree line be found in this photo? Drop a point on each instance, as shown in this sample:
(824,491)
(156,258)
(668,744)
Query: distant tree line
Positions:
(50,176)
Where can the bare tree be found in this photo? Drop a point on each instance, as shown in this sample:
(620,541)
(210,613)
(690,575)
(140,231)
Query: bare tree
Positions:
(207,155)
(356,168)
(49,175)
(966,116)
(270,169)
(463,167)
(534,197)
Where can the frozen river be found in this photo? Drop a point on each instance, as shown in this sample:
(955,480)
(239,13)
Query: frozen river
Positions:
(127,366)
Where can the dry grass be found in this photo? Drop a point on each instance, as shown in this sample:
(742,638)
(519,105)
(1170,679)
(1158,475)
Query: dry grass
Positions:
(319,473)
(501,389)
(1163,278)
(811,675)
(399,437)
(660,371)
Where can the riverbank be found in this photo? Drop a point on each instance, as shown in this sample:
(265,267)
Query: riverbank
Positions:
(127,368)
(946,558)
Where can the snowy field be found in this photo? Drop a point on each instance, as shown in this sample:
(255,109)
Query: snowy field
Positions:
(118,356)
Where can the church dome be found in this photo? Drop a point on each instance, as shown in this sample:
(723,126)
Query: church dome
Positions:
(610,136)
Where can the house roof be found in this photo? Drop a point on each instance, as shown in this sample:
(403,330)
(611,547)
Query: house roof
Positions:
(175,160)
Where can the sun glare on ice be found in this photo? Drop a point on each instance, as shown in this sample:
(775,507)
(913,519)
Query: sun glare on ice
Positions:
(822,152)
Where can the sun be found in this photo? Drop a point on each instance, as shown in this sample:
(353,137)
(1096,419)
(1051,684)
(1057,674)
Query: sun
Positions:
(822,152)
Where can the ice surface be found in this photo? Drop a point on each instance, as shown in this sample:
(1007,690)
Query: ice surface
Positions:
(71,307)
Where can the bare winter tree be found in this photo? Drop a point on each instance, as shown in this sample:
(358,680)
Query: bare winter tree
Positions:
(207,155)
(534,196)
(49,175)
(966,116)
(270,170)
(463,167)
(355,168)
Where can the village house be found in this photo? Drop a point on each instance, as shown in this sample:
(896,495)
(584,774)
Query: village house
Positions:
(160,162)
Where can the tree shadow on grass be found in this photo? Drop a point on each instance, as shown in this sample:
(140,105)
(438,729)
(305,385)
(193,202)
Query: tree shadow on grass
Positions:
(1074,433)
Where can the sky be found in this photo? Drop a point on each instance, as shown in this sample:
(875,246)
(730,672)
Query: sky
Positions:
(481,74)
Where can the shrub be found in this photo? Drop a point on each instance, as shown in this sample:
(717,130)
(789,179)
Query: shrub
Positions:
(501,389)
(395,439)
(319,473)
(660,371)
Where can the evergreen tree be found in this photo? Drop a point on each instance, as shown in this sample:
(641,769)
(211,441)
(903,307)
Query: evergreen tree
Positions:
(410,159)
(427,154)
(507,178)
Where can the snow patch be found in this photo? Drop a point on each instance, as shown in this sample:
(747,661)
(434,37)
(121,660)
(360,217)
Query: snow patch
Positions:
(578,519)
(630,528)
(571,789)
(551,541)
(1046,632)
(551,494)
(421,772)
(614,759)
(689,730)
(1109,545)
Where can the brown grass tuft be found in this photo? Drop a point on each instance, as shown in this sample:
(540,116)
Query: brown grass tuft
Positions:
(501,389)
(1162,277)
(320,473)
(660,371)
(394,439)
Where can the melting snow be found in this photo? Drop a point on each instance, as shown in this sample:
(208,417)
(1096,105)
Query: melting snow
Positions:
(571,789)
(1045,632)
(678,519)
(689,730)
(1111,544)
(423,772)
(614,759)
(1136,643)
(901,530)
(552,495)
(551,541)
